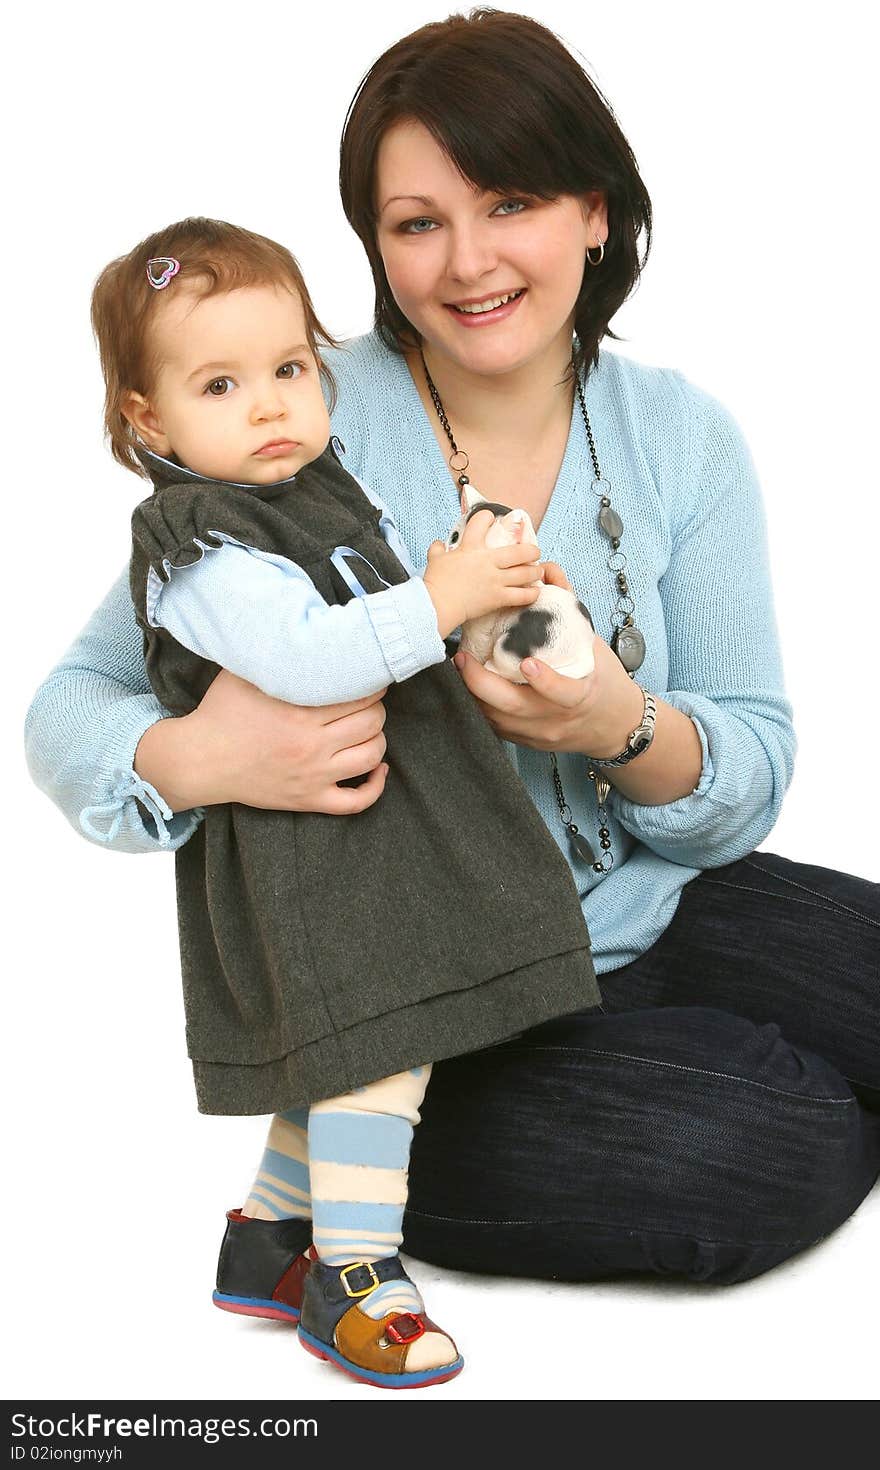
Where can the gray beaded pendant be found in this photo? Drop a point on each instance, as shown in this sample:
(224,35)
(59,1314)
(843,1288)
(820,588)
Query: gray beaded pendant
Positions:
(629,645)
(610,522)
(579,845)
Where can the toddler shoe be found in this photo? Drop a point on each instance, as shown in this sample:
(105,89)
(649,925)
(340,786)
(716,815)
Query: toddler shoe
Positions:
(262,1267)
(398,1350)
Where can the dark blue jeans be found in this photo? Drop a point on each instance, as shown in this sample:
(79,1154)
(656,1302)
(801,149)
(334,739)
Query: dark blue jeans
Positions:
(720,1112)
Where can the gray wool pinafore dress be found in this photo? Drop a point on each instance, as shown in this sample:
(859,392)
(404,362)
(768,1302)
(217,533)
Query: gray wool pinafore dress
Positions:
(320,953)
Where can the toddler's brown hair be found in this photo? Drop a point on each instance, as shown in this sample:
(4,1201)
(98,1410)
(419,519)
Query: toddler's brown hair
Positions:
(216,255)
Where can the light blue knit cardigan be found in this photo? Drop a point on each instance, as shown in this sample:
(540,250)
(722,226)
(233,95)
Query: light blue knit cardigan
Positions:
(695,540)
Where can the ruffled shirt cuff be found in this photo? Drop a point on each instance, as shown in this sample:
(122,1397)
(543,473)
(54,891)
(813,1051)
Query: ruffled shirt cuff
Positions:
(404,621)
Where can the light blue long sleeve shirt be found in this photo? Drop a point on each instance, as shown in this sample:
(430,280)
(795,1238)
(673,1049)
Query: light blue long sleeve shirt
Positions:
(695,541)
(261,616)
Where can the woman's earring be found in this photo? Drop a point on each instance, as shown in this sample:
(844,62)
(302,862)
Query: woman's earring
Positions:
(601,248)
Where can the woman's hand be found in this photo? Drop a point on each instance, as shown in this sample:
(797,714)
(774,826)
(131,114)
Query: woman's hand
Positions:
(241,745)
(593,716)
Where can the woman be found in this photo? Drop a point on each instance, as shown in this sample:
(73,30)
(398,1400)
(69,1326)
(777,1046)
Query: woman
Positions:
(682,1129)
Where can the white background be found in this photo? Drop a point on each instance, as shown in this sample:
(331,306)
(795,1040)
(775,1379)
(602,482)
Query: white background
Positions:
(754,134)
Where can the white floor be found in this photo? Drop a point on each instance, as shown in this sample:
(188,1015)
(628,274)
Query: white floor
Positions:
(113,1218)
(122,1308)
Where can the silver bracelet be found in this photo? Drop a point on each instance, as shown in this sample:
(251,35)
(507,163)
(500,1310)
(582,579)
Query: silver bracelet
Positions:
(638,741)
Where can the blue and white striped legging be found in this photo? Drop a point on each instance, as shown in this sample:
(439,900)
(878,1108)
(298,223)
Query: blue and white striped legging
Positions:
(344,1162)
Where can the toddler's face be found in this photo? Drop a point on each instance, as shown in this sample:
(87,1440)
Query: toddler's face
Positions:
(238,393)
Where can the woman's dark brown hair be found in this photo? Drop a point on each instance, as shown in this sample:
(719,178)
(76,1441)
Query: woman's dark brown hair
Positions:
(214,256)
(516,113)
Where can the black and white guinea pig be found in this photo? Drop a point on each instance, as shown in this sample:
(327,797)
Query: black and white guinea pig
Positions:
(555,628)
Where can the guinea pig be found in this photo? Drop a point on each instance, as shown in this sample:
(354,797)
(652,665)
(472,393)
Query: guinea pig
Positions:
(555,628)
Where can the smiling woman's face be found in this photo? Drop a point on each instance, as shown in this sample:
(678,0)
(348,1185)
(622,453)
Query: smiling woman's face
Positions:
(447,246)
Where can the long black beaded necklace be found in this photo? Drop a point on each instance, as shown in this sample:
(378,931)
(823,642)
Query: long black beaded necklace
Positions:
(627,641)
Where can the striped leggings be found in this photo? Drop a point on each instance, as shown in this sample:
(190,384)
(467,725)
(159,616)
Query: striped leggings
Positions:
(344,1162)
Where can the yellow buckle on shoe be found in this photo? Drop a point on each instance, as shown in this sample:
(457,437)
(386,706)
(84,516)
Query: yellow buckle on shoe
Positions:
(359,1266)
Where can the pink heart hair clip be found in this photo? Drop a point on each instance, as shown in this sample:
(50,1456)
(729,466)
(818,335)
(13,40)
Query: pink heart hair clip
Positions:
(161,270)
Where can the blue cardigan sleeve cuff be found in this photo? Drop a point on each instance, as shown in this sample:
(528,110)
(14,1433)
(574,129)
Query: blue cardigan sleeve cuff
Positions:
(82,730)
(748,759)
(134,817)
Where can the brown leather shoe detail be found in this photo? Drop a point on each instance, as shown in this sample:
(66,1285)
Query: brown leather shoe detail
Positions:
(290,1288)
(357,1338)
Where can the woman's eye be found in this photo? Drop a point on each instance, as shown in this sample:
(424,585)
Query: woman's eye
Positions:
(514,206)
(414,226)
(290,370)
(218,387)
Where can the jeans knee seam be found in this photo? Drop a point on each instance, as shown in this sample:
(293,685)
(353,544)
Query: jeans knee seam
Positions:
(697,1071)
(546,1222)
(762,892)
(860,1081)
(833,902)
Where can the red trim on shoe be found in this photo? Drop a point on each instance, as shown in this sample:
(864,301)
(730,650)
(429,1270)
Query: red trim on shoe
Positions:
(291,1285)
(267,1312)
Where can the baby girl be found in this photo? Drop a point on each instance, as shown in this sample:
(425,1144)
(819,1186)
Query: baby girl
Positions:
(327,961)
